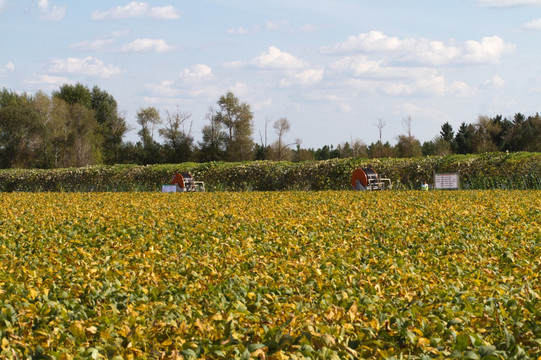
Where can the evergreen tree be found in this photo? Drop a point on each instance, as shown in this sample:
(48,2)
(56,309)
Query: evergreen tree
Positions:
(464,139)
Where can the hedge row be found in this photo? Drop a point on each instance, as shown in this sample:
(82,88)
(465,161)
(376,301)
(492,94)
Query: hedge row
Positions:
(487,171)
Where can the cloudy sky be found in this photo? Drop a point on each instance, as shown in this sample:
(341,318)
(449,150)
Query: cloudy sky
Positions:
(332,68)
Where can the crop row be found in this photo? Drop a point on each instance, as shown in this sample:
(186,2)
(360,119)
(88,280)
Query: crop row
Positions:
(271,275)
(487,171)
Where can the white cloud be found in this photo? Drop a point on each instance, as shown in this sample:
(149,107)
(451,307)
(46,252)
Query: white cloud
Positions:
(374,41)
(262,104)
(103,43)
(280,25)
(242,31)
(274,58)
(9,67)
(241,90)
(147,45)
(306,77)
(488,50)
(362,66)
(88,66)
(508,3)
(310,76)
(496,82)
(54,13)
(47,82)
(197,71)
(234,64)
(533,25)
(439,86)
(93,45)
(2,4)
(164,88)
(424,51)
(357,65)
(136,9)
(397,81)
(310,28)
(277,25)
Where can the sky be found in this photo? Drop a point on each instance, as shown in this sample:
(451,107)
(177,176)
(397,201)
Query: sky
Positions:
(334,69)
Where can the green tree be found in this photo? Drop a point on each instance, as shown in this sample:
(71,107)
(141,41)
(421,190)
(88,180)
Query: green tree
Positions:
(464,139)
(81,141)
(82,125)
(59,134)
(533,138)
(408,147)
(214,139)
(111,125)
(149,118)
(379,150)
(447,132)
(177,136)
(485,135)
(43,107)
(75,94)
(237,119)
(20,130)
(436,147)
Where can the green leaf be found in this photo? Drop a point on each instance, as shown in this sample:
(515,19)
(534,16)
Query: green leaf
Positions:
(245,355)
(462,342)
(253,347)
(471,355)
(189,353)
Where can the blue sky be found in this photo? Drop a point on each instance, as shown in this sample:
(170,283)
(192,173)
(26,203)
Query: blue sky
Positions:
(332,68)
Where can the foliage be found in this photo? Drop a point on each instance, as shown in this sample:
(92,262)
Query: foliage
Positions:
(275,275)
(487,171)
(237,119)
(74,127)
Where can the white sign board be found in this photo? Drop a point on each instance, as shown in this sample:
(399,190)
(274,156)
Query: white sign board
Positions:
(170,188)
(446,181)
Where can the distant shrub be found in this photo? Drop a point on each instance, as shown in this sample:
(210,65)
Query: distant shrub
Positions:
(486,171)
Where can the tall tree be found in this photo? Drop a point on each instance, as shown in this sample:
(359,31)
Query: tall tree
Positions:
(408,146)
(379,150)
(177,135)
(464,139)
(148,118)
(43,107)
(59,135)
(75,94)
(111,125)
(380,125)
(281,150)
(447,132)
(82,144)
(486,131)
(214,139)
(237,118)
(82,127)
(20,129)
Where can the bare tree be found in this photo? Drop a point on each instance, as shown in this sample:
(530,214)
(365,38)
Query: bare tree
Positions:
(407,125)
(358,147)
(380,125)
(174,130)
(264,143)
(282,127)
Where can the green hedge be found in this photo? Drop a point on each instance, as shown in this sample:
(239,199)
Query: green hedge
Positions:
(486,171)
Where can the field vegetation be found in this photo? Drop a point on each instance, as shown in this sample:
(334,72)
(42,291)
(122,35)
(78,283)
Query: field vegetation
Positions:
(486,171)
(271,275)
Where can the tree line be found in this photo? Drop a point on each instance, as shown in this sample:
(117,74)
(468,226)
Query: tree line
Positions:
(78,126)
